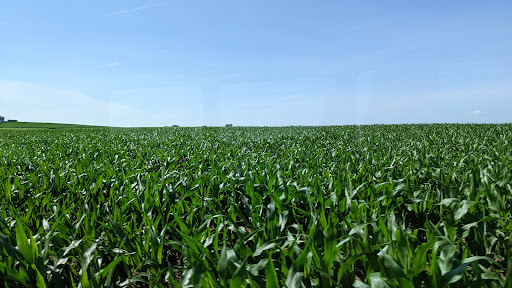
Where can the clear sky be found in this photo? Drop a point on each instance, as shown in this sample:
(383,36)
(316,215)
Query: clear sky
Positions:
(261,63)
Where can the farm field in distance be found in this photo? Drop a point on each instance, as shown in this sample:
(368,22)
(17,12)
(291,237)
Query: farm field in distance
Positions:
(35,125)
(415,205)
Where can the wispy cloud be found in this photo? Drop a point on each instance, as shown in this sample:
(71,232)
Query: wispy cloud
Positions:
(478,112)
(135,9)
(32,102)
(112,64)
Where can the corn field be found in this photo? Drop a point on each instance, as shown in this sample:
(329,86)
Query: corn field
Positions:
(348,206)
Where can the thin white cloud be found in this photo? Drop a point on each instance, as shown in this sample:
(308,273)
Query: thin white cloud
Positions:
(32,102)
(112,64)
(135,9)
(477,112)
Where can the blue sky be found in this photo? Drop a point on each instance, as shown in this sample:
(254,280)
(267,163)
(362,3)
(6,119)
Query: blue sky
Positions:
(261,63)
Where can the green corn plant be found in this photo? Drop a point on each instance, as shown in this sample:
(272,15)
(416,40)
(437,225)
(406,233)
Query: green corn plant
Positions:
(365,206)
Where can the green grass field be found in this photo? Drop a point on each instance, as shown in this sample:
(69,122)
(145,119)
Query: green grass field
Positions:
(350,206)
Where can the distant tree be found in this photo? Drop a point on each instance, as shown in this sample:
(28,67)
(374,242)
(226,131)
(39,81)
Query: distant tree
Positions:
(229,125)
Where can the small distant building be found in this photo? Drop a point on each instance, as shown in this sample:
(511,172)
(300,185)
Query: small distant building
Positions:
(2,119)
